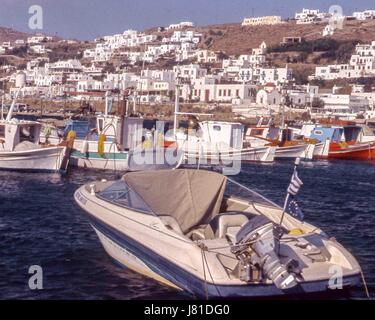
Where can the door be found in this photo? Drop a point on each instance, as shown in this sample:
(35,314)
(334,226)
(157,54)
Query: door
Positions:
(207,95)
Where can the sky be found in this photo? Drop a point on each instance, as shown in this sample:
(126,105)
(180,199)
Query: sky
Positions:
(88,19)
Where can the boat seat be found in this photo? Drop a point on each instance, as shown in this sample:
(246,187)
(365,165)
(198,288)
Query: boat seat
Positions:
(223,225)
(227,222)
(171,223)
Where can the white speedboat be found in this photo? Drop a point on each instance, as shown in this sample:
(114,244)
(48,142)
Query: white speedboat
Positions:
(200,232)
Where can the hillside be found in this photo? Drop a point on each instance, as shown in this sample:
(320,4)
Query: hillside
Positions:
(9,34)
(235,39)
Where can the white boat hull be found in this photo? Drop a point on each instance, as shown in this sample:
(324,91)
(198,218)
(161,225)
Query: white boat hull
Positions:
(43,159)
(296,151)
(85,154)
(119,251)
(260,154)
(321,150)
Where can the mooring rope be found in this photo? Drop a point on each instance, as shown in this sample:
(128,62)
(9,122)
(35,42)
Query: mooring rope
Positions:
(365,284)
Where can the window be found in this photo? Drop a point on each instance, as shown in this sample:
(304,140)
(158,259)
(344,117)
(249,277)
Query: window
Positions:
(120,194)
(2,131)
(229,92)
(220,93)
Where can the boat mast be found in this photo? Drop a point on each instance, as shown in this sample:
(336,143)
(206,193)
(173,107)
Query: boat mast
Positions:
(283,108)
(176,106)
(2,107)
(10,112)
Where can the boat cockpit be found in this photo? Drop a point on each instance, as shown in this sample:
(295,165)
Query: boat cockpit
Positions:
(18,135)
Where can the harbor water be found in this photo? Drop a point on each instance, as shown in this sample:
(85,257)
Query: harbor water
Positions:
(40,224)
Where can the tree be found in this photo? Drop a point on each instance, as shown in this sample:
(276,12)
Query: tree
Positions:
(317,103)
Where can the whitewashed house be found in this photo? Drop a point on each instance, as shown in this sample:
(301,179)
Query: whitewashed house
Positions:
(258,21)
(38,48)
(38,39)
(361,64)
(364,15)
(189,72)
(183,24)
(206,56)
(268,98)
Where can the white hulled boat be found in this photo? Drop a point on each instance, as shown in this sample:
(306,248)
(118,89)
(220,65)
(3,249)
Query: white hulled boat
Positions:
(104,140)
(203,233)
(20,148)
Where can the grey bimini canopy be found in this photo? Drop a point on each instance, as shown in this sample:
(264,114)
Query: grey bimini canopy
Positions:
(192,197)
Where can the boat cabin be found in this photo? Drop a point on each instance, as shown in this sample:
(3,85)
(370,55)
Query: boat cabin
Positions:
(127,131)
(218,132)
(351,134)
(358,134)
(334,134)
(15,133)
(271,133)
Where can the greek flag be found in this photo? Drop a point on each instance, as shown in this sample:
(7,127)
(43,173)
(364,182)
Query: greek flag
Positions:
(295,184)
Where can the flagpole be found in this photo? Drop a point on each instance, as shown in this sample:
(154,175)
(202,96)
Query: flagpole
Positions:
(296,164)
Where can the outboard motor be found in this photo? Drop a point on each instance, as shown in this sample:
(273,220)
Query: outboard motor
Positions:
(255,246)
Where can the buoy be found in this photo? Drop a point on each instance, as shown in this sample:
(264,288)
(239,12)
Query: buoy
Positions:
(102,139)
(71,135)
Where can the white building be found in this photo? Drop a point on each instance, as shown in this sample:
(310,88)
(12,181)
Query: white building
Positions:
(206,56)
(38,48)
(258,21)
(364,15)
(309,16)
(273,75)
(328,30)
(267,98)
(214,91)
(344,103)
(361,64)
(189,72)
(38,39)
(183,24)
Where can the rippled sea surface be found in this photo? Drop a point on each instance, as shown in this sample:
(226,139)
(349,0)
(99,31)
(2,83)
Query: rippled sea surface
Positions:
(40,224)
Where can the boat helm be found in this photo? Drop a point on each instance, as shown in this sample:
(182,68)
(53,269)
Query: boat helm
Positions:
(255,246)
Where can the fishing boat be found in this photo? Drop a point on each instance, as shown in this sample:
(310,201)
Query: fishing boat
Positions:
(203,233)
(352,142)
(103,141)
(218,142)
(282,140)
(213,142)
(20,148)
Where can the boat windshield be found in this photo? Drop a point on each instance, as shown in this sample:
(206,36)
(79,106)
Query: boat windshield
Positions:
(121,194)
(236,190)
